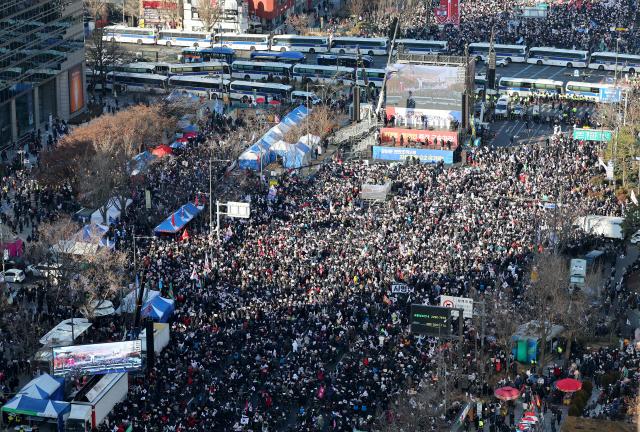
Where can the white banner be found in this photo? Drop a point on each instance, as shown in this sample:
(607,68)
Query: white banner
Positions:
(466,304)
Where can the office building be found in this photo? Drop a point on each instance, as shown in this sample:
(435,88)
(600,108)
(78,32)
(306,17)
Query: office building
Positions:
(41,64)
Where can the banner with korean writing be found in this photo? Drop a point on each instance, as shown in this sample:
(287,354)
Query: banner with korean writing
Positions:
(402,153)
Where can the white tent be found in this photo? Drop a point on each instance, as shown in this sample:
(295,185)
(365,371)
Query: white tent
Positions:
(128,303)
(66,332)
(310,140)
(281,146)
(100,308)
(113,211)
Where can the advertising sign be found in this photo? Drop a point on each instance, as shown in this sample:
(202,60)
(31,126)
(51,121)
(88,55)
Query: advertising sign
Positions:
(430,320)
(402,153)
(97,359)
(421,136)
(610,94)
(420,86)
(466,304)
(238,209)
(592,134)
(76,89)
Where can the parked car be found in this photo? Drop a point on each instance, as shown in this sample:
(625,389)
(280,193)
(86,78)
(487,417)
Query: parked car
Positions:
(44,270)
(635,238)
(14,276)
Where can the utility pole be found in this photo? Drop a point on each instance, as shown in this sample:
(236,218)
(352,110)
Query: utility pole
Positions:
(2,245)
(491,67)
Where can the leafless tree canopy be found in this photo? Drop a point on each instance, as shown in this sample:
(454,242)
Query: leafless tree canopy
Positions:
(210,13)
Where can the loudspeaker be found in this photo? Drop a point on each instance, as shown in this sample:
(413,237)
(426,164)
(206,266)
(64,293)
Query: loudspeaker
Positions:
(151,354)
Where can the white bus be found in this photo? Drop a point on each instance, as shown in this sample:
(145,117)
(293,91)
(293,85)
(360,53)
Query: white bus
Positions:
(310,44)
(250,70)
(355,45)
(204,68)
(322,74)
(247,91)
(118,33)
(375,77)
(557,57)
(139,67)
(184,39)
(596,92)
(609,60)
(417,46)
(136,82)
(212,87)
(528,86)
(243,42)
(509,53)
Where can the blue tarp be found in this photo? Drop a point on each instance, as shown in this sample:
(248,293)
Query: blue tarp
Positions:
(159,309)
(22,404)
(250,159)
(142,160)
(94,233)
(178,145)
(178,219)
(44,387)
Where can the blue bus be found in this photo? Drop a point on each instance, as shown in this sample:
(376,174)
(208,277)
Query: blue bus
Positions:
(199,55)
(291,57)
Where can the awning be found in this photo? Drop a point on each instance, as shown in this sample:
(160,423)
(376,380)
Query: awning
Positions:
(178,219)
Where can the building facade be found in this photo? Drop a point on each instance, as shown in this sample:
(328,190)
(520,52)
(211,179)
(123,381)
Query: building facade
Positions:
(234,16)
(41,64)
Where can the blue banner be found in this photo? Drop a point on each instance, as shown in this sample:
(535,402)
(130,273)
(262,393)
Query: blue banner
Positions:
(402,153)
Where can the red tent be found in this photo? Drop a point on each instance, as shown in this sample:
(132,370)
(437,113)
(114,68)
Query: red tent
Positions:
(568,385)
(274,102)
(190,135)
(162,151)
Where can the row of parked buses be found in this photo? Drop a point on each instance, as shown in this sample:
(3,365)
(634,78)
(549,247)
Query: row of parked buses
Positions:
(524,87)
(212,87)
(372,46)
(557,57)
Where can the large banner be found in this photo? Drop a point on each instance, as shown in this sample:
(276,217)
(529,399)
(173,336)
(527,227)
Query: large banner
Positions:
(401,136)
(448,12)
(422,118)
(76,89)
(402,153)
(97,359)
(426,87)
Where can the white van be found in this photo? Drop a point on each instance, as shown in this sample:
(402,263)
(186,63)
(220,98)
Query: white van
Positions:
(502,106)
(301,97)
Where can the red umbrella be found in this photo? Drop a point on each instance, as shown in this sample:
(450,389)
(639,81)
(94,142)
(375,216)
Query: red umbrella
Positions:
(162,150)
(260,99)
(274,102)
(568,385)
(507,393)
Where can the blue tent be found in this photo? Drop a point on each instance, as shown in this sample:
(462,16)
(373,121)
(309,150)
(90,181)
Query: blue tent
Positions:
(295,117)
(178,219)
(44,387)
(159,309)
(43,408)
(302,146)
(94,233)
(251,160)
(177,145)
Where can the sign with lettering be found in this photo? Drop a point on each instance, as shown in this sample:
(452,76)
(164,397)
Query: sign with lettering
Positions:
(401,288)
(430,320)
(464,303)
(592,134)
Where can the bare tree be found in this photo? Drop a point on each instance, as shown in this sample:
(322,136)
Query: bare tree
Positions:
(321,122)
(210,13)
(299,22)
(97,9)
(101,56)
(358,7)
(548,298)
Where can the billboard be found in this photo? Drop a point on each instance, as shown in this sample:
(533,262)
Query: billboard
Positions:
(428,87)
(448,12)
(76,89)
(430,320)
(394,135)
(97,359)
(402,153)
(418,118)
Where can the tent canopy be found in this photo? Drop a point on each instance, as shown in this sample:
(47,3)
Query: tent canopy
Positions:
(99,308)
(66,332)
(44,387)
(162,151)
(159,309)
(22,404)
(310,140)
(178,219)
(128,303)
(113,211)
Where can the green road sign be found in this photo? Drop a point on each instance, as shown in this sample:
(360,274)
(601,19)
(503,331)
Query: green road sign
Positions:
(592,134)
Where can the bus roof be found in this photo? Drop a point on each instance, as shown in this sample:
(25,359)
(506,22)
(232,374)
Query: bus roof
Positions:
(486,44)
(614,54)
(421,41)
(200,79)
(559,50)
(273,64)
(588,84)
(361,39)
(138,75)
(291,36)
(530,80)
(290,55)
(259,84)
(345,56)
(320,67)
